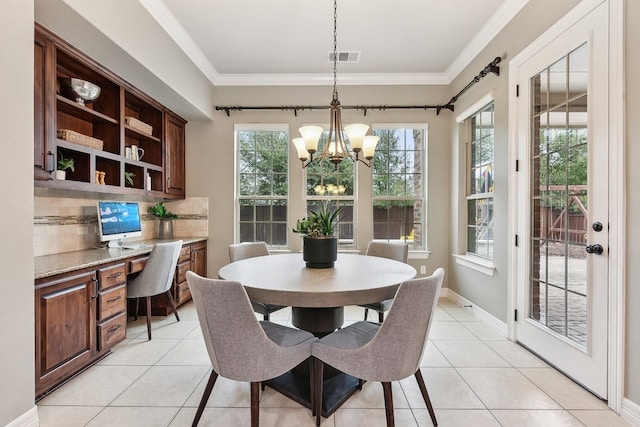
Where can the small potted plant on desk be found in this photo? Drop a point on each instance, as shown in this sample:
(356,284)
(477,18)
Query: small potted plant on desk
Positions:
(165,220)
(320,245)
(63,165)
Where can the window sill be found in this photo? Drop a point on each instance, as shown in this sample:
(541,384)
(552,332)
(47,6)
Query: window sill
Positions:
(481,265)
(418,254)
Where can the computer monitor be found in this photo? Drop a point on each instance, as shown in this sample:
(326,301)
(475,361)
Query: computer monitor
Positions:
(118,221)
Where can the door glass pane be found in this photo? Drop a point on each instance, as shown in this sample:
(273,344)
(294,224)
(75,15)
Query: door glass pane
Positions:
(559,197)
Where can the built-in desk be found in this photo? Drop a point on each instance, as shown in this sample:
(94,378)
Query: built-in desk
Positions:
(80,304)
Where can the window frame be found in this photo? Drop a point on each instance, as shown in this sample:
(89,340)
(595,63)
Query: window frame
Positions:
(275,127)
(423,197)
(343,244)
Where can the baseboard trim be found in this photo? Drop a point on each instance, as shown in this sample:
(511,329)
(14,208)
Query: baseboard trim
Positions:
(28,419)
(630,411)
(493,321)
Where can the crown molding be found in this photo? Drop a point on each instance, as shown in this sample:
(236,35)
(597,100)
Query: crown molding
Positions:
(491,28)
(159,11)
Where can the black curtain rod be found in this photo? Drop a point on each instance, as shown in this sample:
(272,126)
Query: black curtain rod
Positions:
(492,67)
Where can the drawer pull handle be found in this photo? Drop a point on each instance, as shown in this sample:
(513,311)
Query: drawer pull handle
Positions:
(115,328)
(114,299)
(114,275)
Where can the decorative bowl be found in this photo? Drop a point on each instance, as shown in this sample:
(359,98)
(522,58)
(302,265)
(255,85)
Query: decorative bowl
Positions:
(82,90)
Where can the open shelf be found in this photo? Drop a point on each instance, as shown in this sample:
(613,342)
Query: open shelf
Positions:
(119,118)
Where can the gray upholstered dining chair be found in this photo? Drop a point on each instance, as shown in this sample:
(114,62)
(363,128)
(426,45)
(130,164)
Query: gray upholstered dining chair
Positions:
(240,347)
(396,251)
(388,351)
(156,278)
(249,250)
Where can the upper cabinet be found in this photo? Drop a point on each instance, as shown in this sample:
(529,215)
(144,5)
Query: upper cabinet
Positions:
(120,140)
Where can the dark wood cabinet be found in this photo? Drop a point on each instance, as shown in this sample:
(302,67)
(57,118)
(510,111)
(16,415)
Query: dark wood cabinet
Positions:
(79,317)
(43,107)
(65,313)
(175,159)
(123,142)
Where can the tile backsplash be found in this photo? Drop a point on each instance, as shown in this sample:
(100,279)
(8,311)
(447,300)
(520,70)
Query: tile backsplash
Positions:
(65,225)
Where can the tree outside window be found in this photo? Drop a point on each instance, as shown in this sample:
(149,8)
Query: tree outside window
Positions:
(262,153)
(325,182)
(398,174)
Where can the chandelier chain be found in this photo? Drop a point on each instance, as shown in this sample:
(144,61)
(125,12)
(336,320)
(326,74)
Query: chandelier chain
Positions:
(335,47)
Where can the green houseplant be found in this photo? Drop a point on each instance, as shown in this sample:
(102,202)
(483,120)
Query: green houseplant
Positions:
(320,245)
(128,177)
(165,220)
(63,165)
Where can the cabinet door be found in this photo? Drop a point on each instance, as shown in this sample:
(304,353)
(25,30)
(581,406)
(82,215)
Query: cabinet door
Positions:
(65,321)
(43,107)
(175,156)
(199,258)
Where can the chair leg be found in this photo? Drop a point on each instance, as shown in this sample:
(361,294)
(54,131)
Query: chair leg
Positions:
(366,314)
(149,317)
(312,383)
(388,403)
(173,304)
(205,397)
(255,404)
(318,393)
(380,317)
(425,396)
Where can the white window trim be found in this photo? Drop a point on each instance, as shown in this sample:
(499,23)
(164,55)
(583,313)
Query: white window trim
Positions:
(471,260)
(422,253)
(475,107)
(474,262)
(236,170)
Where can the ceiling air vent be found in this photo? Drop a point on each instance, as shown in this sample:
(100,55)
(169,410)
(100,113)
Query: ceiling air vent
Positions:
(345,56)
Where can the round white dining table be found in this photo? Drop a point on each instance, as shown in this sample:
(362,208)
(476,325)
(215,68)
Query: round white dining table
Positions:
(317,298)
(285,280)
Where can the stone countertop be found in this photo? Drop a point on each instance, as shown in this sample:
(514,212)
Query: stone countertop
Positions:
(50,265)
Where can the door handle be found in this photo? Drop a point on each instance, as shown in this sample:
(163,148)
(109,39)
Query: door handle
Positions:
(594,249)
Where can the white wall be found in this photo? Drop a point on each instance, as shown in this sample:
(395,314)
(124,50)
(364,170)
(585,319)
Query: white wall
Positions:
(490,293)
(16,228)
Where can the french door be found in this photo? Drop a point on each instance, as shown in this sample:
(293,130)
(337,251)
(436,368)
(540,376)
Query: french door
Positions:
(562,201)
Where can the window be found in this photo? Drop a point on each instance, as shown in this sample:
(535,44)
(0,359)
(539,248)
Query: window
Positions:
(262,183)
(337,186)
(398,177)
(480,183)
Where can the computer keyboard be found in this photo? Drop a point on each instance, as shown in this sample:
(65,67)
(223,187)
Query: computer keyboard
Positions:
(135,246)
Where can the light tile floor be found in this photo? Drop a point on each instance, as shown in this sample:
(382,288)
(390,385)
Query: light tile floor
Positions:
(475,378)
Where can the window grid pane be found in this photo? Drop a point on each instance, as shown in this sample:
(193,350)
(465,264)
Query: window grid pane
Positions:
(398,186)
(481,183)
(263,186)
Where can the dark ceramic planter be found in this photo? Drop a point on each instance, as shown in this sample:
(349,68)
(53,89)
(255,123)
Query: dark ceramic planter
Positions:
(320,252)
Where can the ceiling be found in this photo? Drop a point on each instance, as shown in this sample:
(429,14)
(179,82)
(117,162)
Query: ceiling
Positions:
(253,42)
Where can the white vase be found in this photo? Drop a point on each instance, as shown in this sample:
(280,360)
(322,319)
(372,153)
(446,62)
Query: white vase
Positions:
(61,175)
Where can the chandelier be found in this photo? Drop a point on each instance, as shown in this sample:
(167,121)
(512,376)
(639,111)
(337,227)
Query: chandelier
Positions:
(336,148)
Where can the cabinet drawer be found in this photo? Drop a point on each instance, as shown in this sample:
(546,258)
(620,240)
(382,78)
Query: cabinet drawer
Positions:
(183,293)
(112,331)
(181,271)
(112,276)
(185,254)
(111,302)
(137,264)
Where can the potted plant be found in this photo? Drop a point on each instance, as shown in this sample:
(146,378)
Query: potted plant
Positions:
(320,245)
(63,165)
(128,177)
(165,220)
